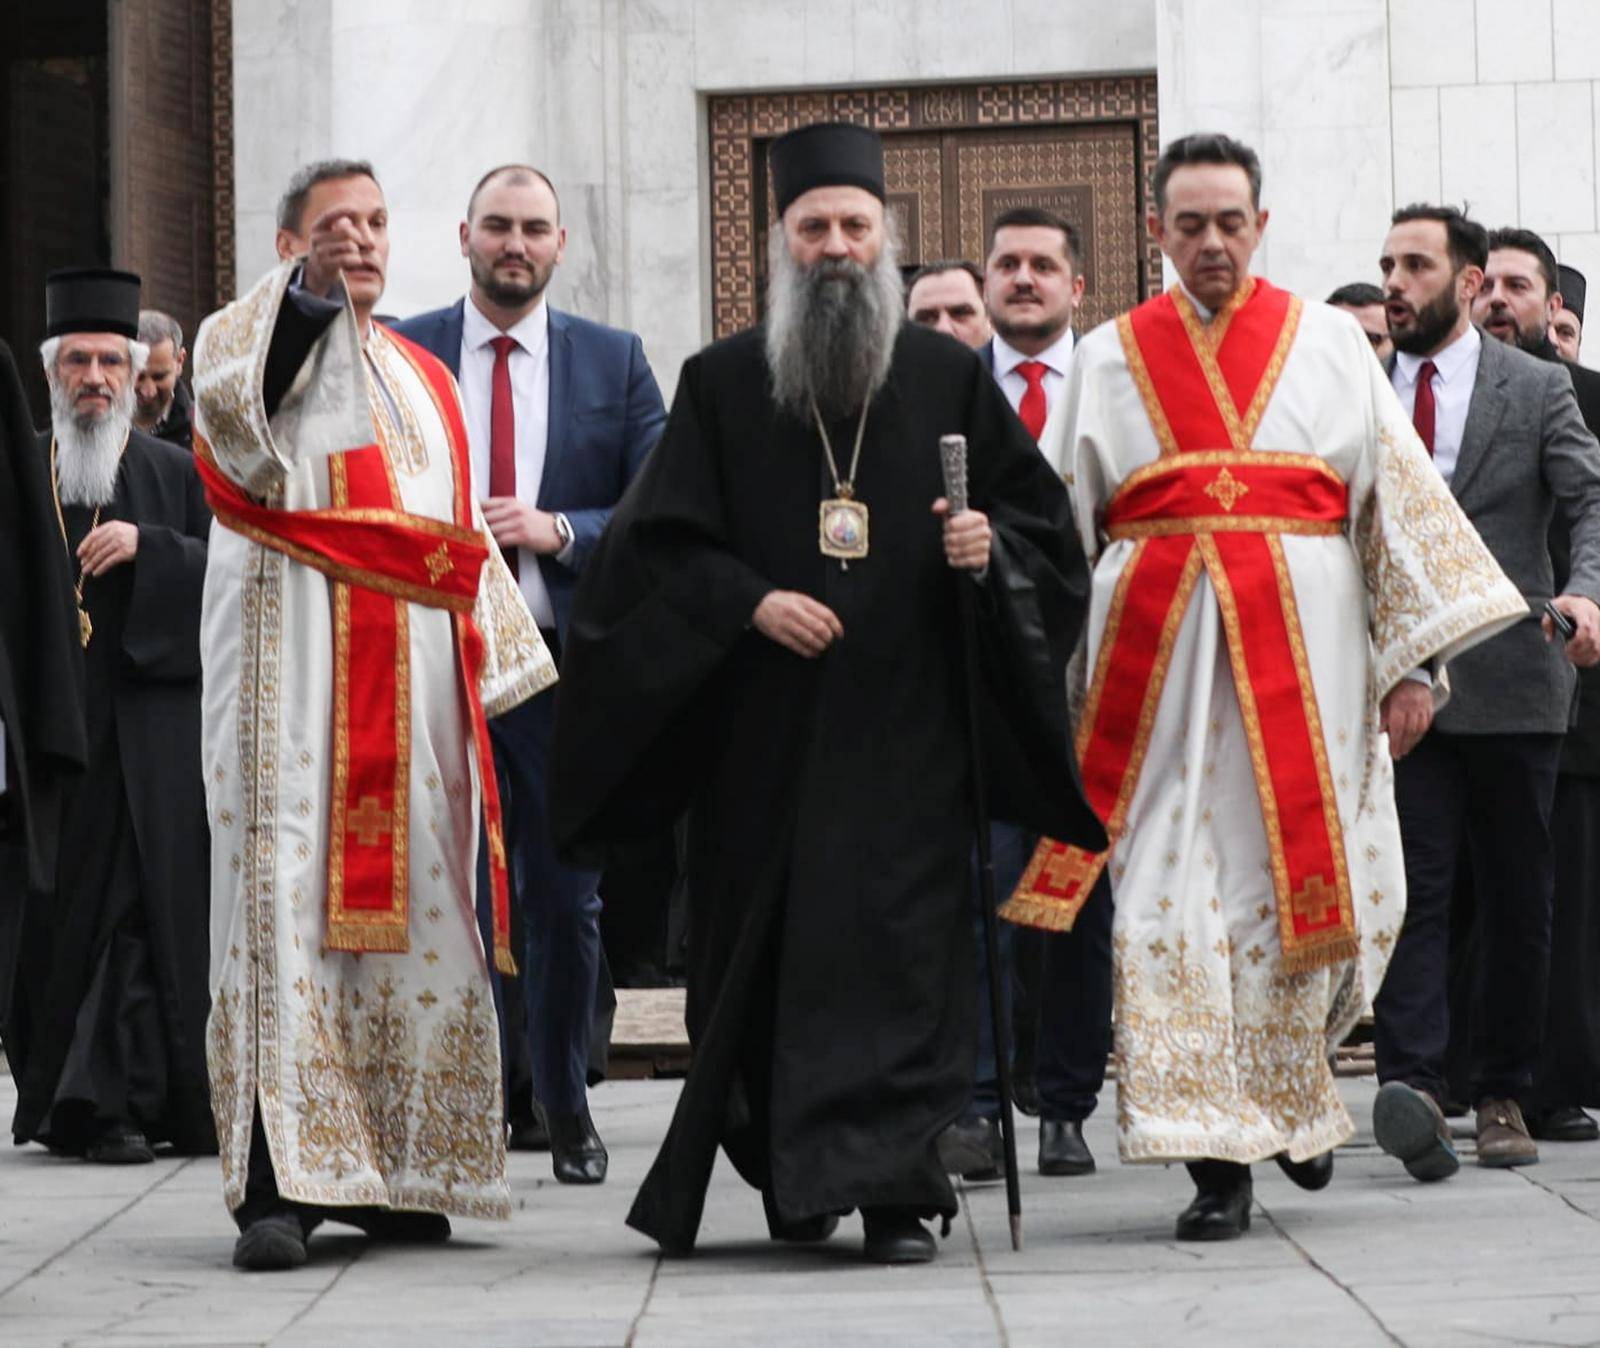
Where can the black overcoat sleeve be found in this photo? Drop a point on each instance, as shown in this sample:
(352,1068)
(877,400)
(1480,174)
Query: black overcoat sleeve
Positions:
(162,637)
(660,605)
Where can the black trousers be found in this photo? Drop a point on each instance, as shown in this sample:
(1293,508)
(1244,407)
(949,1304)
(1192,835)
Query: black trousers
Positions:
(1073,1010)
(1486,798)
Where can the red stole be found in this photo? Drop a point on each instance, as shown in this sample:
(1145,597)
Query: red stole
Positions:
(1211,502)
(378,560)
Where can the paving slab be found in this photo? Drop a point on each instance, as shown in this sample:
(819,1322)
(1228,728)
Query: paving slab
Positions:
(138,1256)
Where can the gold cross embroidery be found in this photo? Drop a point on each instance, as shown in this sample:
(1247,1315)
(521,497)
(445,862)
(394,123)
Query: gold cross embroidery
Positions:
(1067,872)
(370,821)
(1225,489)
(1315,902)
(439,563)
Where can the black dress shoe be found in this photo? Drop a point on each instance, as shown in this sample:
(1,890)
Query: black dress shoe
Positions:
(1062,1150)
(120,1145)
(895,1236)
(530,1134)
(972,1148)
(806,1231)
(1313,1174)
(1221,1207)
(399,1228)
(577,1155)
(271,1244)
(1025,1095)
(1567,1123)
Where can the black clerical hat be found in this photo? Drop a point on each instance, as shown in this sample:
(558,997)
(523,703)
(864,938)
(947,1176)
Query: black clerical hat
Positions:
(829,154)
(1571,286)
(91,299)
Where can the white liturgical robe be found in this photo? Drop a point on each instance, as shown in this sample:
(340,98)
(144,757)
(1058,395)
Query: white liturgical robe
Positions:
(1222,1051)
(377,1075)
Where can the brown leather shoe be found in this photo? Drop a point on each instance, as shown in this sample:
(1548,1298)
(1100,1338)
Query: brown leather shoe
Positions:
(1503,1138)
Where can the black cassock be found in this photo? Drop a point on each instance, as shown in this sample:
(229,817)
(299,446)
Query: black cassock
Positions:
(831,999)
(107,1020)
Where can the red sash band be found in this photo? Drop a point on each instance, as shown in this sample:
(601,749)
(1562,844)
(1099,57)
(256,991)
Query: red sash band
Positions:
(379,559)
(1223,510)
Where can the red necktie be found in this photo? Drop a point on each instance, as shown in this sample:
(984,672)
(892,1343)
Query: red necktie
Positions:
(1032,408)
(1422,409)
(503,431)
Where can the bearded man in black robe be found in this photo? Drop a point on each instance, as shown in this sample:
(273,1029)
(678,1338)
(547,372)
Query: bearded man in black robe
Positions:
(768,637)
(105,1031)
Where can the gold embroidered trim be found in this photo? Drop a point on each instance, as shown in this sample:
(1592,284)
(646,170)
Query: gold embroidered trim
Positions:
(1142,381)
(1225,524)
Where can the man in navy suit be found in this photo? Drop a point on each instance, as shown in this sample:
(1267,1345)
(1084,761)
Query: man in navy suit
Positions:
(560,413)
(1028,291)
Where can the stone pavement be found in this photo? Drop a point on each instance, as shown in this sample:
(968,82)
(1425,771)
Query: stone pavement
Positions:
(107,1257)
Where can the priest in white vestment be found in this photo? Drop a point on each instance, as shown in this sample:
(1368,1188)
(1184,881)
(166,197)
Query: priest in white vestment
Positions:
(1279,579)
(358,625)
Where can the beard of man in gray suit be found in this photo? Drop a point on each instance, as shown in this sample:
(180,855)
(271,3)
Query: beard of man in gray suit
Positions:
(1505,431)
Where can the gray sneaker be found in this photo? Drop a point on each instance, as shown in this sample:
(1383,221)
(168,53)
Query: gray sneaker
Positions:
(1411,1128)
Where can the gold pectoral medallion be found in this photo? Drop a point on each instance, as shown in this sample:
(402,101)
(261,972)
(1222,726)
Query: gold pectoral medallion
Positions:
(85,627)
(842,529)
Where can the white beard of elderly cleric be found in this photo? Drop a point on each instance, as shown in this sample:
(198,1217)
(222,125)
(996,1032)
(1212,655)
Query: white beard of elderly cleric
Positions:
(831,327)
(89,449)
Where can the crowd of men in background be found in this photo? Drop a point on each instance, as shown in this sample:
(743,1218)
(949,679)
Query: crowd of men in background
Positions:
(104,1007)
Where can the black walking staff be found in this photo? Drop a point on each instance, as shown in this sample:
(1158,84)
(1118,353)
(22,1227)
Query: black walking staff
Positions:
(953,458)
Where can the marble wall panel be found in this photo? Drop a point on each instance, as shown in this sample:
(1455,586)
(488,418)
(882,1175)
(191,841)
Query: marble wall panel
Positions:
(1082,36)
(1478,150)
(1555,157)
(664,273)
(1575,35)
(1513,40)
(1328,190)
(1324,70)
(1415,119)
(1432,42)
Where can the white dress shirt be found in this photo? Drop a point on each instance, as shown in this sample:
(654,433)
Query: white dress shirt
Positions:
(1456,371)
(530,402)
(1056,358)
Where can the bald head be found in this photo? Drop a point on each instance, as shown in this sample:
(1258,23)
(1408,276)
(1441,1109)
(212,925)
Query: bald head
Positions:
(512,175)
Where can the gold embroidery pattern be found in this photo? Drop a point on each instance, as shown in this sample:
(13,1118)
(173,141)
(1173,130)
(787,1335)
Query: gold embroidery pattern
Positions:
(332,1135)
(516,662)
(403,442)
(1232,1067)
(222,1059)
(460,1136)
(1450,553)
(1397,603)
(1226,490)
(387,1074)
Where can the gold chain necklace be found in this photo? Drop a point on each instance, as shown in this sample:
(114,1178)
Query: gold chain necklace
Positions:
(85,626)
(842,521)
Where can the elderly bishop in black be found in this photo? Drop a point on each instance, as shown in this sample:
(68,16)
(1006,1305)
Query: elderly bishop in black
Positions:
(768,638)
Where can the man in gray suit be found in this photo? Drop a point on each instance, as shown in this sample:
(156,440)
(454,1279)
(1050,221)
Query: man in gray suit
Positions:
(1505,431)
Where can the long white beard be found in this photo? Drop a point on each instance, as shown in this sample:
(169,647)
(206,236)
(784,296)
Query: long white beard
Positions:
(831,327)
(88,454)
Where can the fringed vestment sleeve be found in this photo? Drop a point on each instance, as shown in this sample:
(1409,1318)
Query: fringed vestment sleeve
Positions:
(323,412)
(516,662)
(1434,589)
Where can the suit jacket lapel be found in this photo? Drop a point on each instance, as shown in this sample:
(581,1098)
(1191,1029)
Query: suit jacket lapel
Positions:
(450,346)
(560,418)
(1483,414)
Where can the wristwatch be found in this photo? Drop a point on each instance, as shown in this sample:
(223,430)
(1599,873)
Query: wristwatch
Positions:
(564,532)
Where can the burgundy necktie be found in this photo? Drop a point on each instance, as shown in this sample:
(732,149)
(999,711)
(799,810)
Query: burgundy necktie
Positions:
(1422,409)
(503,431)
(1032,407)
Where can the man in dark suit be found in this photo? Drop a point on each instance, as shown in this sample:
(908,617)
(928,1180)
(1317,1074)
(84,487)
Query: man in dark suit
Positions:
(561,413)
(1519,303)
(1505,431)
